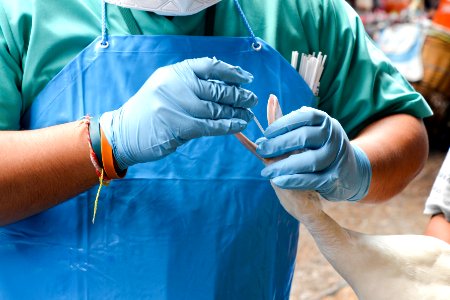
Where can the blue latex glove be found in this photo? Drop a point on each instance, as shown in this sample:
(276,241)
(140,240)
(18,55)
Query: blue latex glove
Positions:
(180,102)
(329,164)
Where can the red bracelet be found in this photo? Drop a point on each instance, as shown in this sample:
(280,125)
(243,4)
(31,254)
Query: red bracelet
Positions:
(104,180)
(98,169)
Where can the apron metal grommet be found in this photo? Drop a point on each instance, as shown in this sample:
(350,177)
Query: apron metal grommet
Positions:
(256,46)
(103,44)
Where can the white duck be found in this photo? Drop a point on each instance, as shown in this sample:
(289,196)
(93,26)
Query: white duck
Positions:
(377,267)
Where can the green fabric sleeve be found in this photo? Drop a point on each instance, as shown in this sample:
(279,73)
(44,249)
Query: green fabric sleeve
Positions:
(359,84)
(10,76)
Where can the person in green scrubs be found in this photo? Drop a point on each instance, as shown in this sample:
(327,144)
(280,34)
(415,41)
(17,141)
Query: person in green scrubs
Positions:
(377,108)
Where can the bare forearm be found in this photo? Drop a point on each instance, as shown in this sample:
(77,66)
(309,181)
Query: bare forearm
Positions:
(397,147)
(42,168)
(439,227)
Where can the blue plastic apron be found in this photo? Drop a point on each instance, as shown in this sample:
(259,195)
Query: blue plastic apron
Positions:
(199,224)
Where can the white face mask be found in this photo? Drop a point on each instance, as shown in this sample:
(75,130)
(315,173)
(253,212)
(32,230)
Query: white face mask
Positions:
(167,7)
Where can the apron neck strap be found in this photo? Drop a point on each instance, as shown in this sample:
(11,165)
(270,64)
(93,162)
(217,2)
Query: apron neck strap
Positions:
(104,42)
(135,29)
(247,24)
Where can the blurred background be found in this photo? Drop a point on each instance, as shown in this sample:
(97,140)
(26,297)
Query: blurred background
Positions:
(415,35)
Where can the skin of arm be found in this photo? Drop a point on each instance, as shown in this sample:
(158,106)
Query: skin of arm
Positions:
(397,147)
(439,227)
(42,168)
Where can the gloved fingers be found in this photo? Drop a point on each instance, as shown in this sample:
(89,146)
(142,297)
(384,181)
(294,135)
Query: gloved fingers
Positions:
(309,161)
(260,140)
(307,137)
(211,68)
(220,127)
(305,116)
(214,111)
(225,94)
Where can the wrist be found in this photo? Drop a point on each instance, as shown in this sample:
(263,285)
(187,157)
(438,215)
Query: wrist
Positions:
(365,174)
(107,124)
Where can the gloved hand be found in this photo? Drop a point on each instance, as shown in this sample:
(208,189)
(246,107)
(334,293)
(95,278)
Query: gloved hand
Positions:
(180,102)
(329,164)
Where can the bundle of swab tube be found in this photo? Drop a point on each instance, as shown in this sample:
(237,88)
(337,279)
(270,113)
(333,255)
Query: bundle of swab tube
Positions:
(311,68)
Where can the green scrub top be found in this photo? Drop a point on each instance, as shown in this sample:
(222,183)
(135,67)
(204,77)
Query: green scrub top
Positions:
(358,86)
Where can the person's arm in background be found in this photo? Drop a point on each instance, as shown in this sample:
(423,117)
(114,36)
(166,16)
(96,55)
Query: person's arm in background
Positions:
(439,227)
(438,204)
(41,168)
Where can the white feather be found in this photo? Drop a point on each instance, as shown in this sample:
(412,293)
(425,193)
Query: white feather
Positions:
(377,267)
